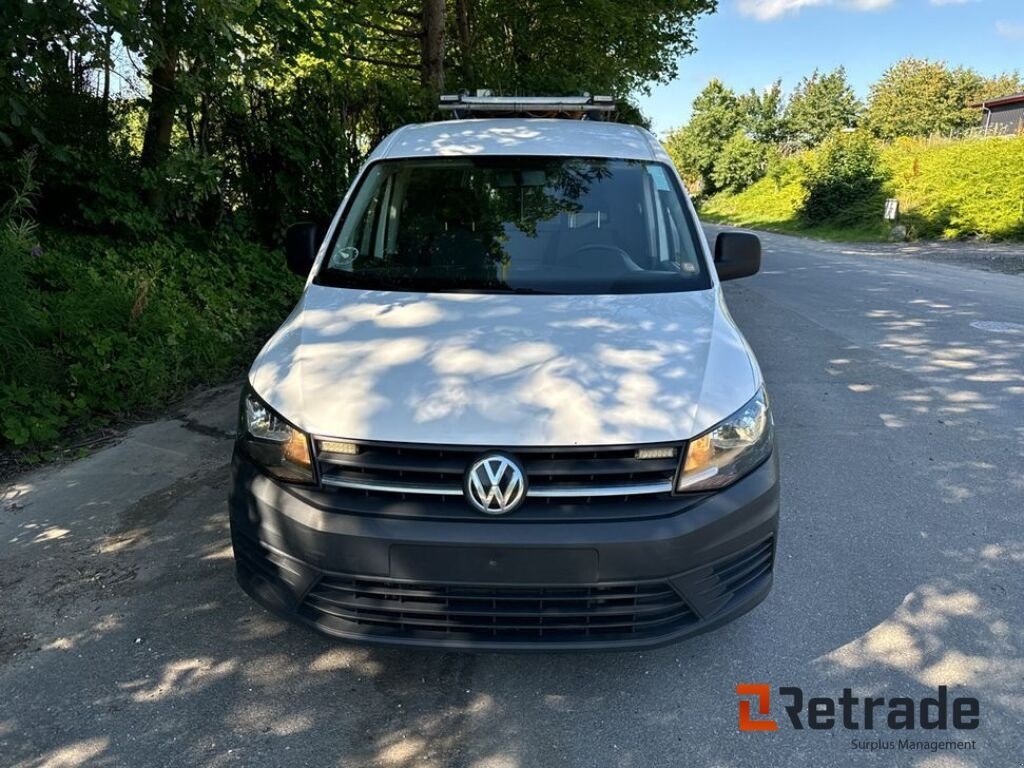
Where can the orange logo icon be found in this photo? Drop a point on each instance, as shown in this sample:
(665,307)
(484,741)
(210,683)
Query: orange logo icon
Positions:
(763,694)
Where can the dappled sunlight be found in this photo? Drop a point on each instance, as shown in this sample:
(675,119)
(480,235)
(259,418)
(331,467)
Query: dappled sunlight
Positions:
(914,641)
(455,357)
(136,615)
(476,140)
(510,135)
(50,534)
(500,369)
(12,496)
(224,553)
(958,378)
(74,755)
(261,626)
(344,657)
(399,314)
(184,678)
(106,625)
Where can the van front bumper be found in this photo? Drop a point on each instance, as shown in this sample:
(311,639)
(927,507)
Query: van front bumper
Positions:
(499,584)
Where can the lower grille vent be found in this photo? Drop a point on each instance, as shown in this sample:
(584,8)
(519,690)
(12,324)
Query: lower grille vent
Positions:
(387,607)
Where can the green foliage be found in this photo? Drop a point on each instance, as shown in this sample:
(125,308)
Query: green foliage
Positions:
(843,179)
(92,328)
(764,114)
(254,114)
(729,139)
(958,188)
(110,329)
(742,162)
(18,319)
(564,46)
(820,106)
(773,202)
(695,148)
(805,168)
(918,97)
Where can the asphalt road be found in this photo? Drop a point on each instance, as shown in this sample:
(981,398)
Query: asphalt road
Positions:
(899,397)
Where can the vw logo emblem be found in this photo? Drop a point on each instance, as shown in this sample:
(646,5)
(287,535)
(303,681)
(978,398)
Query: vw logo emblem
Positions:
(495,484)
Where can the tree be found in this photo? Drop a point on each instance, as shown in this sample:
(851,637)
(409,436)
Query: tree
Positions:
(264,110)
(764,114)
(918,97)
(1003,84)
(821,105)
(742,162)
(696,147)
(567,46)
(166,22)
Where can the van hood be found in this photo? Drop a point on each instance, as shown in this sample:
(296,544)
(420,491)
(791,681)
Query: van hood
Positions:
(506,369)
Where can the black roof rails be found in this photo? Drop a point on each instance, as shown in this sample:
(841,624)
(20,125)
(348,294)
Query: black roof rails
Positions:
(483,104)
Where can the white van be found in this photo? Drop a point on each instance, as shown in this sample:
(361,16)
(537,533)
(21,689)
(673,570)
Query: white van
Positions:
(510,410)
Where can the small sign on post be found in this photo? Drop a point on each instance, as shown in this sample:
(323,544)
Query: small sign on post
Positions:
(892,209)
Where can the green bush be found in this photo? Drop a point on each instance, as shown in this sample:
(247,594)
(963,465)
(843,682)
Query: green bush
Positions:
(843,180)
(741,163)
(105,329)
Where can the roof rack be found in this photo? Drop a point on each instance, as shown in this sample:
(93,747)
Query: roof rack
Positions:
(483,104)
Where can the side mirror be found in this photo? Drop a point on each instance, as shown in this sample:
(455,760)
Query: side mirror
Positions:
(737,254)
(301,243)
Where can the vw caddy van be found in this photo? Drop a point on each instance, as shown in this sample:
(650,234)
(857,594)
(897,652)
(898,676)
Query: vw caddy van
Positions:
(510,410)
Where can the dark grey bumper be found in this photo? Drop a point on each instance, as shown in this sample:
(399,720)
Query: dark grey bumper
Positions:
(499,584)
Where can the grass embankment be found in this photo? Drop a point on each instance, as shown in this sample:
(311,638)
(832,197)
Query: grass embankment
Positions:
(946,189)
(92,329)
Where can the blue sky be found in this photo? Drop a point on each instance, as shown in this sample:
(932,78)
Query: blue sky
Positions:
(750,43)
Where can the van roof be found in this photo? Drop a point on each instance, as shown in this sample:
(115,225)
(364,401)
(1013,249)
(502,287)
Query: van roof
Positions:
(521,136)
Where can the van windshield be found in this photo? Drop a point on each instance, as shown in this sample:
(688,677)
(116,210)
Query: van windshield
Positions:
(496,224)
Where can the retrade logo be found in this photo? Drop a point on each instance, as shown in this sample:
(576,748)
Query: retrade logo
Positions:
(900,713)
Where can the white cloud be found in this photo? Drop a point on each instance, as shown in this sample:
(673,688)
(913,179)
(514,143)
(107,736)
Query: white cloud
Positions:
(1010,30)
(765,10)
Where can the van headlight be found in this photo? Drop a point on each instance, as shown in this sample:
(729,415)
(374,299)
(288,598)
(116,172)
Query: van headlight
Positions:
(729,450)
(281,449)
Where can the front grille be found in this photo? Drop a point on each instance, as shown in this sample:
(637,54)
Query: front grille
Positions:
(578,474)
(390,608)
(710,588)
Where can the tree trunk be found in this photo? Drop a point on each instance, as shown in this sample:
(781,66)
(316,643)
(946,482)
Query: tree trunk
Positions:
(156,144)
(432,46)
(166,19)
(463,13)
(108,47)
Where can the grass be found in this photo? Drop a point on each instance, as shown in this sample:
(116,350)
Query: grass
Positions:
(94,329)
(946,189)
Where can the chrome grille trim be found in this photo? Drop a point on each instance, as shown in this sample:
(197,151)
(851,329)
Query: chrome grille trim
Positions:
(589,491)
(571,492)
(419,490)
